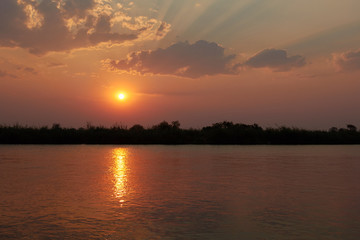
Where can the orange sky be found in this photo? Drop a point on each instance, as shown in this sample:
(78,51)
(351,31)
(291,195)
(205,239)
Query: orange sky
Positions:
(278,62)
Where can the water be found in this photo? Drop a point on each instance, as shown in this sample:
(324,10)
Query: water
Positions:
(180,192)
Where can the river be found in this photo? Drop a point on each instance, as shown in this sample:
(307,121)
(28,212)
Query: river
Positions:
(179,192)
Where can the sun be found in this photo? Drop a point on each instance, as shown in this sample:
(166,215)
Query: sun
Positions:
(121,96)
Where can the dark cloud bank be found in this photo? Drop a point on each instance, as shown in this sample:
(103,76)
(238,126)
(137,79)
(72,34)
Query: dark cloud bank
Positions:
(180,59)
(200,59)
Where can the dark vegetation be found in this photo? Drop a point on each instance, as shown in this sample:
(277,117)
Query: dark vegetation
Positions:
(171,133)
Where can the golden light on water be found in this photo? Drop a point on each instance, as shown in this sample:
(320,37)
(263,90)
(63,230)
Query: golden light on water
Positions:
(119,156)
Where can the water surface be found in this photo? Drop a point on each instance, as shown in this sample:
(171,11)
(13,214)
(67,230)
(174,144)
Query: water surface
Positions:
(179,192)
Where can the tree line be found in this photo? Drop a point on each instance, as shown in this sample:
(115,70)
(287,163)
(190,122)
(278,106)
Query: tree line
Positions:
(171,133)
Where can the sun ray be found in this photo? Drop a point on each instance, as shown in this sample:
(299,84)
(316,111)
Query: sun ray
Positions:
(188,14)
(163,11)
(216,23)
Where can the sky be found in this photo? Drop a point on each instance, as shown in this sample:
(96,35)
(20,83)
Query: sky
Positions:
(271,62)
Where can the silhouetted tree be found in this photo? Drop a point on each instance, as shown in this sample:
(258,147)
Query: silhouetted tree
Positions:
(164,125)
(333,129)
(165,133)
(137,127)
(351,127)
(175,124)
(56,126)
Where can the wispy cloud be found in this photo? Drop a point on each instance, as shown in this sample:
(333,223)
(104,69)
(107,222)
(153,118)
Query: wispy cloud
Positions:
(348,60)
(56,65)
(6,74)
(26,69)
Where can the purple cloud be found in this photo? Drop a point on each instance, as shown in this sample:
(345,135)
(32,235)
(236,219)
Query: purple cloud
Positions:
(275,59)
(180,59)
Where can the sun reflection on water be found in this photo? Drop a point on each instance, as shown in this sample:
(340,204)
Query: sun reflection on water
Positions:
(119,156)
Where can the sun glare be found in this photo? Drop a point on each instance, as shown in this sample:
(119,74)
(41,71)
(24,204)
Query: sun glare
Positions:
(121,96)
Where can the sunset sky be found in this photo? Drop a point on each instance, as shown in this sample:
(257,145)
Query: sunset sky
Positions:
(270,62)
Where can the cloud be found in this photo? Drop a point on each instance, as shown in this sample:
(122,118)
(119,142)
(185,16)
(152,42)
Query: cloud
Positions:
(56,65)
(162,30)
(180,59)
(62,25)
(5,74)
(200,59)
(78,7)
(28,70)
(275,59)
(348,61)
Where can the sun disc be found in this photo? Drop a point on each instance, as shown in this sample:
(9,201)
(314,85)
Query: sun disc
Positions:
(121,96)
